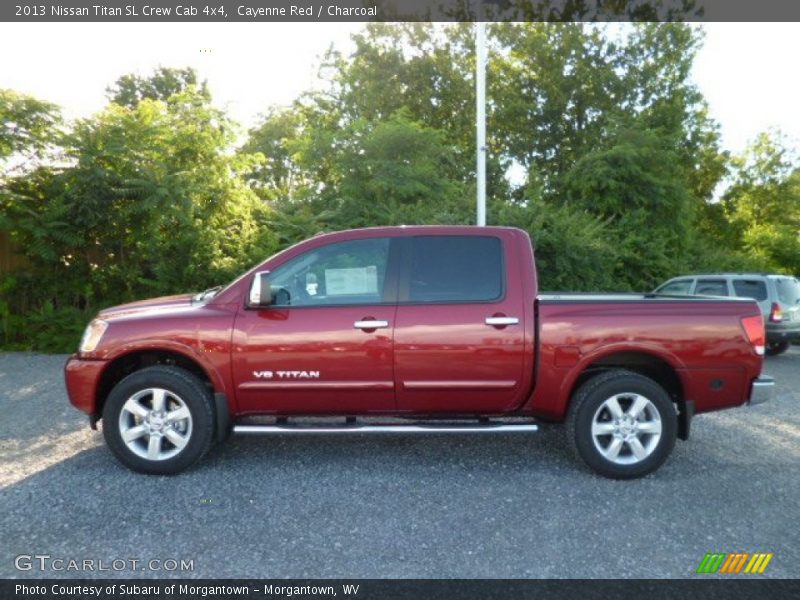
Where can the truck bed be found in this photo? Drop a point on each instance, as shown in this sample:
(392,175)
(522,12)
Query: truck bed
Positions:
(699,339)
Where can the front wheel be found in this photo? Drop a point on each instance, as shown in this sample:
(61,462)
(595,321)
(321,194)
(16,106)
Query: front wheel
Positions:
(622,424)
(776,348)
(159,420)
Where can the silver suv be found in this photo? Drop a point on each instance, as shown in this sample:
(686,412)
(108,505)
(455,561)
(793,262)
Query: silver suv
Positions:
(777,295)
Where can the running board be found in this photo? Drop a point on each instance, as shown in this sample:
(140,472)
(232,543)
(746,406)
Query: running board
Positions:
(449,428)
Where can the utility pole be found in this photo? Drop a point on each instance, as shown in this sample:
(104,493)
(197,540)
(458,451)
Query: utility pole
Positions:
(480,112)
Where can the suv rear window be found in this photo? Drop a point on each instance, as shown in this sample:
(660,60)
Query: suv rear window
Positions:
(456,269)
(750,288)
(788,290)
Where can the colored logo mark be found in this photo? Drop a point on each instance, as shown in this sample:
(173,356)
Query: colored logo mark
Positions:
(735,562)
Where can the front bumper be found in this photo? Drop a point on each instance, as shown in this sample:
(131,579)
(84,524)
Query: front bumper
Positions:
(83,378)
(762,390)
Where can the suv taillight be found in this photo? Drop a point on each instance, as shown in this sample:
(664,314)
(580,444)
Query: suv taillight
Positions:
(754,329)
(775,314)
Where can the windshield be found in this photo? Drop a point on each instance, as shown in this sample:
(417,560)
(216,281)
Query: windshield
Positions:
(788,290)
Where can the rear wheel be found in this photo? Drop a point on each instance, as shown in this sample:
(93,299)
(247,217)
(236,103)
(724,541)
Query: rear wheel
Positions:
(776,348)
(159,420)
(622,424)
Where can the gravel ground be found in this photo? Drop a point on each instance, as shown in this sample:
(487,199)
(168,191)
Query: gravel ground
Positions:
(396,506)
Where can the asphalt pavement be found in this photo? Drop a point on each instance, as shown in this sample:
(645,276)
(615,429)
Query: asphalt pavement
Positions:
(514,506)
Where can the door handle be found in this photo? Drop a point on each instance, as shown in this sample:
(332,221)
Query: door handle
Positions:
(371,324)
(501,321)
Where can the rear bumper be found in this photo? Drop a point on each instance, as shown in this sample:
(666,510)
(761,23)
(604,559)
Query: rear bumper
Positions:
(762,390)
(778,333)
(82,378)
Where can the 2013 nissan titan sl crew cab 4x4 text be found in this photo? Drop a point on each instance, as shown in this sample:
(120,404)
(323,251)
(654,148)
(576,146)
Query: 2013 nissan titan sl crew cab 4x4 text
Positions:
(413,329)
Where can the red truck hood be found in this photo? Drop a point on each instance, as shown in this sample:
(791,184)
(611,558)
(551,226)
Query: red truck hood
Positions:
(162,304)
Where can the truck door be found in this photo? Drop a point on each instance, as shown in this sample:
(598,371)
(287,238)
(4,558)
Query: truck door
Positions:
(459,331)
(325,343)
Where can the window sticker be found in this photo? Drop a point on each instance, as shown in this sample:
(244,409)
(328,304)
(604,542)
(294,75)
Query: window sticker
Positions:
(359,280)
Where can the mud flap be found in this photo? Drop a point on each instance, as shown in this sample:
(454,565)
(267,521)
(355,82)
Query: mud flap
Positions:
(223,416)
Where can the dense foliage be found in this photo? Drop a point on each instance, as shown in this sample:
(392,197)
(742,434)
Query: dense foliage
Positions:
(599,145)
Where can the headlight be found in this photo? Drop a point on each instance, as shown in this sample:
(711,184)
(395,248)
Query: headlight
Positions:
(91,337)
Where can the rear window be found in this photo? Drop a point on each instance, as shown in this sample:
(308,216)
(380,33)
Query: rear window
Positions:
(711,287)
(750,288)
(680,287)
(456,269)
(788,290)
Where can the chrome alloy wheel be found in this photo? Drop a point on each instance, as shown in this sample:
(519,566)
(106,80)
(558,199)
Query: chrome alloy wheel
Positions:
(626,428)
(155,424)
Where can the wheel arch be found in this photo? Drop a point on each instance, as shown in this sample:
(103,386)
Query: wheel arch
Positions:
(133,360)
(648,364)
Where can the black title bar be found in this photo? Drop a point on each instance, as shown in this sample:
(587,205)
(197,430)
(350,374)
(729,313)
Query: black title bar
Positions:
(152,11)
(387,589)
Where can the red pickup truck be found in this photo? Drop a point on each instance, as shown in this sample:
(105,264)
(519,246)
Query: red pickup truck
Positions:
(413,329)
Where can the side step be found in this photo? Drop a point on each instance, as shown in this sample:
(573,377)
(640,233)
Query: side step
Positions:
(378,428)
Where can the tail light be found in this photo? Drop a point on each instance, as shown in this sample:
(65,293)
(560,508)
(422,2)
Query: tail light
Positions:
(775,314)
(754,329)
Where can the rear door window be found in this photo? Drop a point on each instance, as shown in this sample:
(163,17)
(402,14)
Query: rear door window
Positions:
(456,269)
(750,288)
(711,287)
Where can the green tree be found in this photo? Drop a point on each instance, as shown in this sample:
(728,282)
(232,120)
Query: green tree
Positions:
(554,88)
(131,89)
(30,130)
(423,70)
(386,173)
(395,172)
(158,180)
(561,90)
(28,127)
(762,204)
(151,201)
(636,182)
(575,250)
(278,176)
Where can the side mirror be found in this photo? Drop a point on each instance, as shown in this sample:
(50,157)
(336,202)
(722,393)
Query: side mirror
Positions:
(260,291)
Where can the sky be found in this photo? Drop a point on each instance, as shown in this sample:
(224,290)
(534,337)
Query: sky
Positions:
(744,69)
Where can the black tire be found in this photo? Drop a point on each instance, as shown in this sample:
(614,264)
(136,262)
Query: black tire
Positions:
(775,348)
(180,386)
(588,406)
